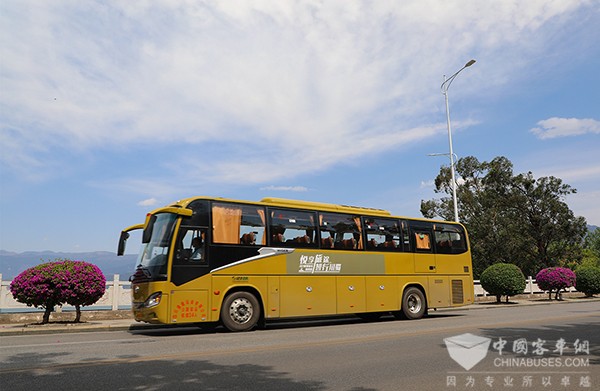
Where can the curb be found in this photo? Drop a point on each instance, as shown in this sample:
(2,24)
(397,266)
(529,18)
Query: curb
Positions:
(52,328)
(15,330)
(510,304)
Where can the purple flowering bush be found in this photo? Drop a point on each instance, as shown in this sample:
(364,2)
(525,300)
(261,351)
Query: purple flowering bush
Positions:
(47,285)
(555,279)
(87,285)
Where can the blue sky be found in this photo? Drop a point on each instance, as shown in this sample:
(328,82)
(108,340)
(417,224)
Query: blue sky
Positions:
(111,109)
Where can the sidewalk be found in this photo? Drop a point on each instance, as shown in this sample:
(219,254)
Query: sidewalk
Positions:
(23,323)
(27,323)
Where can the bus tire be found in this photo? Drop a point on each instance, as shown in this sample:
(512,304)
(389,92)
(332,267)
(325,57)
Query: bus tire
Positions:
(414,305)
(240,311)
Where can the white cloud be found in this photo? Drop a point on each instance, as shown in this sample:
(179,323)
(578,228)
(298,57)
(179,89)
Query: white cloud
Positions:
(564,127)
(316,84)
(148,202)
(576,174)
(429,184)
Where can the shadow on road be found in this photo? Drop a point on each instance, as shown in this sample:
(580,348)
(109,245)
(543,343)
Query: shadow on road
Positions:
(280,324)
(146,374)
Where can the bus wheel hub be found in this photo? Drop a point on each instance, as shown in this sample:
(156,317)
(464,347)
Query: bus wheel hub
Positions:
(240,310)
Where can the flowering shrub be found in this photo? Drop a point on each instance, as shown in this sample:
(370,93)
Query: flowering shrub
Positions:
(588,280)
(503,279)
(555,278)
(86,284)
(55,283)
(38,287)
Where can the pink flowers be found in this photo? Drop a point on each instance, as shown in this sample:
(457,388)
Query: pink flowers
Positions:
(77,283)
(555,278)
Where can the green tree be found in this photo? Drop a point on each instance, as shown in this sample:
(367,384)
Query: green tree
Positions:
(511,218)
(591,249)
(555,232)
(503,279)
(588,280)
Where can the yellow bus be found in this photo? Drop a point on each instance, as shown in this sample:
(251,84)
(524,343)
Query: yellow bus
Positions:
(243,263)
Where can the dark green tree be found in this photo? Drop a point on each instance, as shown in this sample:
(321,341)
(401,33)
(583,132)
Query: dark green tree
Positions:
(503,279)
(588,280)
(510,218)
(591,249)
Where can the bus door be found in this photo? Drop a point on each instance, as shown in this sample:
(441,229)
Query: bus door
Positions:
(422,241)
(426,261)
(190,262)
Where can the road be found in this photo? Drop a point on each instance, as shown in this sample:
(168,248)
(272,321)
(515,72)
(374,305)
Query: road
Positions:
(333,354)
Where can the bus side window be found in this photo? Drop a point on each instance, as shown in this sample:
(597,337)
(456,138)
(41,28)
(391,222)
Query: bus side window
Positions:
(192,246)
(443,242)
(292,228)
(343,230)
(450,239)
(422,241)
(382,234)
(238,224)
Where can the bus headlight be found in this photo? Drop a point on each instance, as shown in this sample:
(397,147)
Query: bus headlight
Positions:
(153,300)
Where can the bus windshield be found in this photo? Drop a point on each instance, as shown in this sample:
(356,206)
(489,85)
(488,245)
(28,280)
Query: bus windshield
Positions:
(154,254)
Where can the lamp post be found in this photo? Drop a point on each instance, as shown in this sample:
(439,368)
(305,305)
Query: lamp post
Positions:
(445,86)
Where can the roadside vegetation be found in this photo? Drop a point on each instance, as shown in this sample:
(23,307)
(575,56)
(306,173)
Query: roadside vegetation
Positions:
(520,220)
(52,284)
(503,279)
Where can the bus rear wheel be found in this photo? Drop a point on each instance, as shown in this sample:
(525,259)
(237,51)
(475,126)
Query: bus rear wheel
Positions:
(414,305)
(240,311)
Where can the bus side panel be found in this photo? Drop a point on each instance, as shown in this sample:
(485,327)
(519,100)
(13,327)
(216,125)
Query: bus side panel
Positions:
(453,264)
(438,293)
(351,295)
(188,306)
(223,284)
(382,293)
(273,307)
(308,295)
(399,263)
(425,263)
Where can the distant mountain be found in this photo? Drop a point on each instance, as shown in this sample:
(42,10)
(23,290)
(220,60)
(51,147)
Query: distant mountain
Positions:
(11,263)
(592,228)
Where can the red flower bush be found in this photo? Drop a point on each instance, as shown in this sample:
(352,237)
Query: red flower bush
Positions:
(47,285)
(555,278)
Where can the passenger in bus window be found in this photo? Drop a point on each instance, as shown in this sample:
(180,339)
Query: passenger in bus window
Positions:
(197,246)
(248,238)
(326,240)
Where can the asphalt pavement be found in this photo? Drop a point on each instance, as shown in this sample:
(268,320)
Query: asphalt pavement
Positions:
(119,323)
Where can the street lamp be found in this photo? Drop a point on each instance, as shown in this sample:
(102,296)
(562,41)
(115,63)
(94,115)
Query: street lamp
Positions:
(445,86)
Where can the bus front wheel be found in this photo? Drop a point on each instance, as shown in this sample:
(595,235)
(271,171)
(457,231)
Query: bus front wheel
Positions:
(414,305)
(240,311)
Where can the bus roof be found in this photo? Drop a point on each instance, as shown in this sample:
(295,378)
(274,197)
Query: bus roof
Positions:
(310,205)
(287,203)
(324,206)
